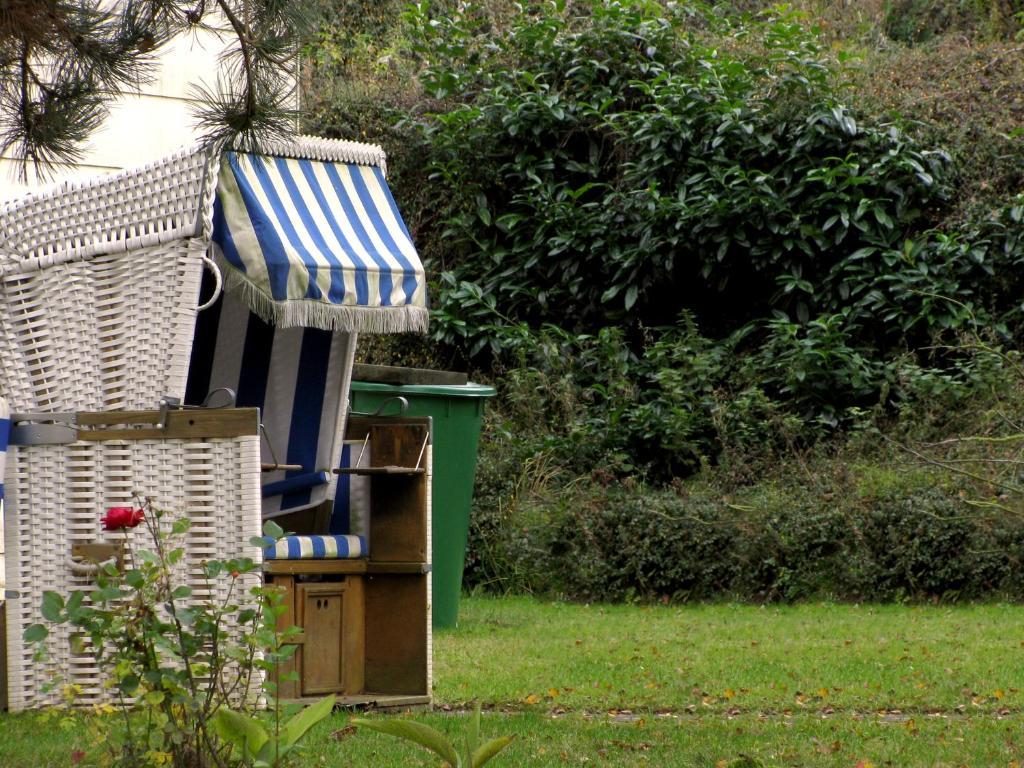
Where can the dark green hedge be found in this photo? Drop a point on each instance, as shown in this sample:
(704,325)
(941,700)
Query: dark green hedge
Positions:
(621,543)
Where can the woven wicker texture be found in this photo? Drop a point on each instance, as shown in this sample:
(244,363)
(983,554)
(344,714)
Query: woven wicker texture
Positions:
(55,497)
(98,287)
(136,208)
(112,332)
(328,150)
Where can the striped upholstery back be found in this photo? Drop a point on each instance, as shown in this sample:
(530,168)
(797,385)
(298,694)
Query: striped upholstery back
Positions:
(5,434)
(298,377)
(351,513)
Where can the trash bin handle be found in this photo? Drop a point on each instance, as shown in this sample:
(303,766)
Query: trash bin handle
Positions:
(403,406)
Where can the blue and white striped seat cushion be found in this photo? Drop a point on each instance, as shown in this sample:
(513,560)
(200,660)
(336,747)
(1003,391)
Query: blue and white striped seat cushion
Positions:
(316,548)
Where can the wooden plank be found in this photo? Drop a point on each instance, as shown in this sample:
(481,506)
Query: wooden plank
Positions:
(353,635)
(398,503)
(358,427)
(389,470)
(384,568)
(321,608)
(3,656)
(295,567)
(390,374)
(180,425)
(368,700)
(398,525)
(333,627)
(396,634)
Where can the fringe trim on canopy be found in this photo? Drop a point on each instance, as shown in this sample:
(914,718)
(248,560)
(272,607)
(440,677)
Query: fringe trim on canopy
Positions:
(309,313)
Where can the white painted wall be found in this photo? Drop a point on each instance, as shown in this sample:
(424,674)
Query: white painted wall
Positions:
(143,127)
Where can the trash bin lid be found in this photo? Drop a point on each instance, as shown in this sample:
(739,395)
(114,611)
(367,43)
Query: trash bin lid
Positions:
(470,389)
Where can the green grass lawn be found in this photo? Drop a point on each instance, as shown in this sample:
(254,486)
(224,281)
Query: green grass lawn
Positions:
(810,685)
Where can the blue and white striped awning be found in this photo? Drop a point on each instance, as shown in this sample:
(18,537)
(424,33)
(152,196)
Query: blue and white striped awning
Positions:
(317,244)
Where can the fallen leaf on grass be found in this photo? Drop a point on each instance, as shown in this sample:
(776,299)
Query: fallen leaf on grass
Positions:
(642,746)
(743,761)
(826,748)
(533,698)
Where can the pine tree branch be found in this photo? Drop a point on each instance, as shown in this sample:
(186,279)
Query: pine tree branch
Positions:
(241,32)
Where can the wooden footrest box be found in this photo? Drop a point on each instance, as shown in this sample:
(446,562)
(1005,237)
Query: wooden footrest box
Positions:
(365,622)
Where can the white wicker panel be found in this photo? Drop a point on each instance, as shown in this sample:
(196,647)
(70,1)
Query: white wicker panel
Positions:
(157,203)
(109,333)
(55,497)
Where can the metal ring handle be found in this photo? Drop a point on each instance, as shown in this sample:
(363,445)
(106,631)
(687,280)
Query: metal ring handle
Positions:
(87,568)
(218,279)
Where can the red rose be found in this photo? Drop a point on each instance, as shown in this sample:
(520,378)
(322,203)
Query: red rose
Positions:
(121,517)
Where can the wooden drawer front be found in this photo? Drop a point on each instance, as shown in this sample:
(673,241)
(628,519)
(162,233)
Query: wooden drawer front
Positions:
(330,615)
(322,608)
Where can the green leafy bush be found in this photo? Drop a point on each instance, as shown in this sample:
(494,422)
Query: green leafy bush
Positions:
(612,541)
(658,224)
(618,164)
(926,545)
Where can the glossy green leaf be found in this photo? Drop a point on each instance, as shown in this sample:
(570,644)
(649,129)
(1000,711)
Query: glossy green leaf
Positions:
(297,726)
(35,633)
(52,607)
(244,733)
(418,733)
(489,750)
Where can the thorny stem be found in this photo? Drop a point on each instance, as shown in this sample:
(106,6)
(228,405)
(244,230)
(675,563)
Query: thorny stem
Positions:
(200,734)
(976,439)
(127,718)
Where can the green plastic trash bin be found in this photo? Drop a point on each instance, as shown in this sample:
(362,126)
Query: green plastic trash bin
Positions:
(456,411)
